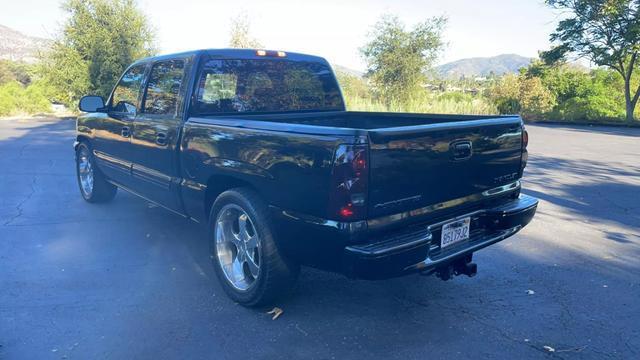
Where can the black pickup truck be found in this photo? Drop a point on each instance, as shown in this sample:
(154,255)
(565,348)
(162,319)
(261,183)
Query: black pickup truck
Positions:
(258,146)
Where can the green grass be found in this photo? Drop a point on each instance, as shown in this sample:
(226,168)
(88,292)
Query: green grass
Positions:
(428,103)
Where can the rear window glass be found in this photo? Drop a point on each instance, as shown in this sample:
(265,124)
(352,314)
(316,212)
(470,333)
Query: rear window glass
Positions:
(254,86)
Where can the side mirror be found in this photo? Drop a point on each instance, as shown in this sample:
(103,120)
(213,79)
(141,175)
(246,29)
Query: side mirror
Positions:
(91,103)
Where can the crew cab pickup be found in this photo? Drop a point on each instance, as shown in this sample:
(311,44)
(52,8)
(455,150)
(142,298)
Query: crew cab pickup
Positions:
(257,146)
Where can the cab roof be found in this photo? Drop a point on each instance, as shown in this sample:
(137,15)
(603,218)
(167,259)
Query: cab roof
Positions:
(233,54)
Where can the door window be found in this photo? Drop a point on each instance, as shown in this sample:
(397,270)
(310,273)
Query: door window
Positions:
(125,95)
(163,88)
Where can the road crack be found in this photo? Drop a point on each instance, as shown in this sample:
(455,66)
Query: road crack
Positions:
(20,205)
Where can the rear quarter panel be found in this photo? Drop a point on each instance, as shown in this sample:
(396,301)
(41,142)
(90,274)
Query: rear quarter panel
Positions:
(289,170)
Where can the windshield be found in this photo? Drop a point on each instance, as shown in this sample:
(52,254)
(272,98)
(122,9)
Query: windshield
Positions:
(266,85)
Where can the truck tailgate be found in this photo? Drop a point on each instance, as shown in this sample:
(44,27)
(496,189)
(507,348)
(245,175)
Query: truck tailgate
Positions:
(416,166)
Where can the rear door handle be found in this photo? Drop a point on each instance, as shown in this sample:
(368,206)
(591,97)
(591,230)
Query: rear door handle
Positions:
(462,150)
(125,132)
(161,139)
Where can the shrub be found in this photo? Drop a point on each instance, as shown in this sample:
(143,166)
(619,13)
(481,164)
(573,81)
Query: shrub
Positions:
(425,102)
(17,99)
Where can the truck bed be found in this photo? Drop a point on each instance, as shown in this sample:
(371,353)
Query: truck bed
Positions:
(412,157)
(363,120)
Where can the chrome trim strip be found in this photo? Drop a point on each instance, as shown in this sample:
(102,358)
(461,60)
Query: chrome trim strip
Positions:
(529,203)
(502,189)
(147,199)
(151,176)
(113,162)
(423,240)
(385,220)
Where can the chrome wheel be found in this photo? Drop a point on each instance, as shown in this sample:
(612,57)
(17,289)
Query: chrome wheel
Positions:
(237,247)
(85,173)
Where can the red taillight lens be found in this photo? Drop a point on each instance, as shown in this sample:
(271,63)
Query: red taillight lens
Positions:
(346,212)
(525,139)
(349,183)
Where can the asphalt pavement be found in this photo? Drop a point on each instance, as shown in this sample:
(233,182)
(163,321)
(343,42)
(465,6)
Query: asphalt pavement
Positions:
(129,280)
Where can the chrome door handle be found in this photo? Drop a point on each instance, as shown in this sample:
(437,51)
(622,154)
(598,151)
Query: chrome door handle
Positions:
(462,150)
(161,139)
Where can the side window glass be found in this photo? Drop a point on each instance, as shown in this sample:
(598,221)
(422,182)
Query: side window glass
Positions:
(125,95)
(163,88)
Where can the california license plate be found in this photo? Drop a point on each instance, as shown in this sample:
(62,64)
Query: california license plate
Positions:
(455,232)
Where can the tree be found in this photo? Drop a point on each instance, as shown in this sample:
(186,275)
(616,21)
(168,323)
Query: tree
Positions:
(397,59)
(352,85)
(535,99)
(521,94)
(240,36)
(98,41)
(6,73)
(505,93)
(18,71)
(607,32)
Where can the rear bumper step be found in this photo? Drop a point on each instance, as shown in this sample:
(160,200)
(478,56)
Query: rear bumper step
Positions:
(417,249)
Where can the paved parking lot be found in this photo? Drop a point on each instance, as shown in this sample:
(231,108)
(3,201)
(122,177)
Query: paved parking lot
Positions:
(129,280)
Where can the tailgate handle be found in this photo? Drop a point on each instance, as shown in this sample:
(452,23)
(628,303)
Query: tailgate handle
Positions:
(462,150)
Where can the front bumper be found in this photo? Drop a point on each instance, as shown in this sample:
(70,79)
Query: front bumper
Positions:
(417,248)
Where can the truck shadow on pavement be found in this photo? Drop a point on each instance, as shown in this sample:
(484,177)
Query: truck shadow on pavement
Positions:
(602,192)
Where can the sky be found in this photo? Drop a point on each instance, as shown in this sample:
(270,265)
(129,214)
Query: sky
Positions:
(334,29)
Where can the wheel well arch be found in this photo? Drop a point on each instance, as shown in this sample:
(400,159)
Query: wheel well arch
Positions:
(217,184)
(82,139)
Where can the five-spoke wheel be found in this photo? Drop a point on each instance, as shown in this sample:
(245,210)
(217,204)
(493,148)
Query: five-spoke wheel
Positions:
(94,186)
(237,246)
(85,172)
(251,267)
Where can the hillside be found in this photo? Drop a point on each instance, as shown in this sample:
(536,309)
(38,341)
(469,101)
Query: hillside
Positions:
(346,70)
(483,66)
(19,47)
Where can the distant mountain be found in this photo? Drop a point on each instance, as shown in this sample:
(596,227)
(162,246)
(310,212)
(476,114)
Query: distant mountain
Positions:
(344,69)
(483,66)
(16,46)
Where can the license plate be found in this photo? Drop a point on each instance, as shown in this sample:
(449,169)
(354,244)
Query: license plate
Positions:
(455,232)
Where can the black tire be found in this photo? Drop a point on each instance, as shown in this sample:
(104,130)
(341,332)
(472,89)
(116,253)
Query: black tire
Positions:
(277,274)
(100,190)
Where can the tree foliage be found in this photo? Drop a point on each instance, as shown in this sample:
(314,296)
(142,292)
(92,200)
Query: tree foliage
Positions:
(607,32)
(240,34)
(15,98)
(15,71)
(98,41)
(353,85)
(397,58)
(560,92)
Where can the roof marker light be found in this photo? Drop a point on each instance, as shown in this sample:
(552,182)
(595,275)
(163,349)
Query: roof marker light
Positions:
(261,52)
(282,54)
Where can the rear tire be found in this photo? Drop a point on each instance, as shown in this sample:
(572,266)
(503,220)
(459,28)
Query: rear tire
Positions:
(94,187)
(247,261)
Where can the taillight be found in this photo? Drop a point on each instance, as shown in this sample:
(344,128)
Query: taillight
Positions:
(525,153)
(350,175)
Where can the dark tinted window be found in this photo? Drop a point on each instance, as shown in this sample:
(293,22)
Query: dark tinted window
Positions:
(164,87)
(125,95)
(229,86)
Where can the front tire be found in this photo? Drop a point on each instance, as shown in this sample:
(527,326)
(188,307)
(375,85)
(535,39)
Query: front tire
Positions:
(94,187)
(248,263)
